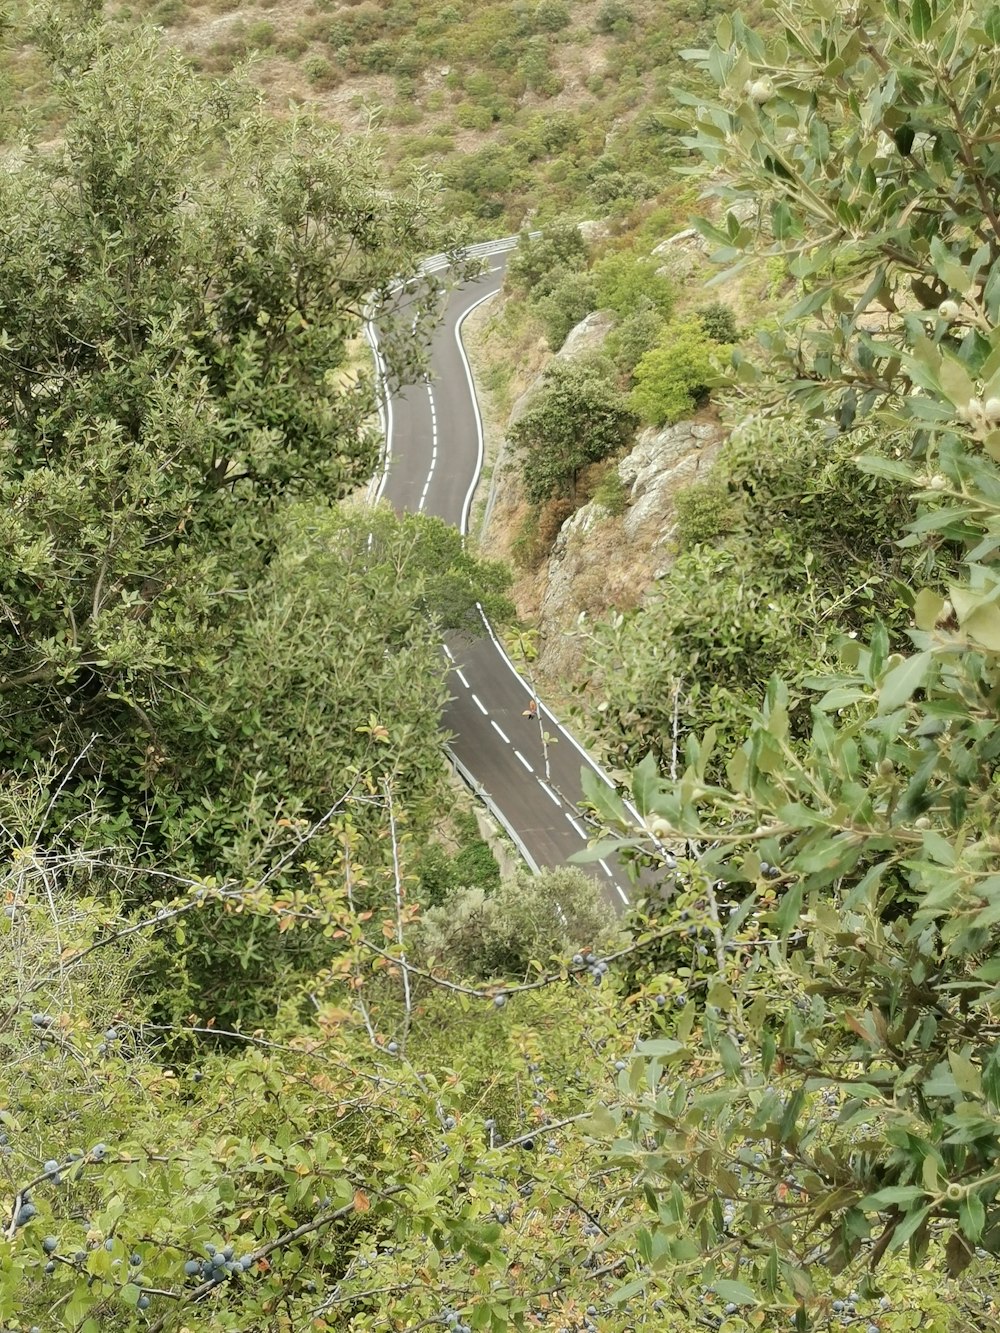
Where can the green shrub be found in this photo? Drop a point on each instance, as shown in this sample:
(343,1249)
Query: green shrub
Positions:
(168,13)
(788,476)
(626,284)
(631,340)
(572,299)
(474,862)
(529,918)
(404,113)
(292,45)
(611,493)
(716,632)
(468,116)
(551,16)
(719,321)
(537,532)
(560,246)
(440,874)
(577,417)
(320,73)
(614,17)
(672,377)
(261,35)
(704,511)
(534,68)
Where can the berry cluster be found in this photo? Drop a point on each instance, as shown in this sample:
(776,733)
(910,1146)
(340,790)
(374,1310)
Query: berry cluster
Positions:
(218,1265)
(593,963)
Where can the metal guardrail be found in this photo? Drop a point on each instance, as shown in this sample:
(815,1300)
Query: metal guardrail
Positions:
(478,790)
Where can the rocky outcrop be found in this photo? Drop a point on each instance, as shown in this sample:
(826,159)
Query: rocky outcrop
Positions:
(602,561)
(584,338)
(661,463)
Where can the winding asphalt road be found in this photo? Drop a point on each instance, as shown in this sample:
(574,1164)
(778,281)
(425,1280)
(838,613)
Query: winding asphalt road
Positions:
(432,465)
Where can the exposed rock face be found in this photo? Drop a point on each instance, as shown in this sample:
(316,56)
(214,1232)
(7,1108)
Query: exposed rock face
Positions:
(594,231)
(662,462)
(602,561)
(586,337)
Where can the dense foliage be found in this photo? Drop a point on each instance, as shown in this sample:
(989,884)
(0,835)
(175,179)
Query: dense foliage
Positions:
(576,417)
(835,1101)
(201,651)
(674,376)
(782,550)
(770,1097)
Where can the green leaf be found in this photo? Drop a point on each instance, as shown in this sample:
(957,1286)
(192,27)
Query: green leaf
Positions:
(966,1073)
(645,784)
(955,381)
(927,608)
(920,19)
(910,1223)
(734,1292)
(627,1291)
(660,1046)
(601,1124)
(898,685)
(729,1053)
(972,1217)
(892,1194)
(787,916)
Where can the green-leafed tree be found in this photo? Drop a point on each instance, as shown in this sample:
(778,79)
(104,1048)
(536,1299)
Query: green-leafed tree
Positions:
(831,1098)
(181,278)
(628,283)
(576,417)
(525,923)
(539,261)
(674,376)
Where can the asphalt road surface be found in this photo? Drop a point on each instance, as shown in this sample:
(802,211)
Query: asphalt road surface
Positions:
(433,461)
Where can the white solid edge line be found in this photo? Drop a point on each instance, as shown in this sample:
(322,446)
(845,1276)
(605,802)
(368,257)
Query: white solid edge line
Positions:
(384,410)
(499,731)
(464,529)
(467,505)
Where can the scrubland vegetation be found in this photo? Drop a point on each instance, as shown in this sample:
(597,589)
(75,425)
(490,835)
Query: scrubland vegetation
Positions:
(281,1048)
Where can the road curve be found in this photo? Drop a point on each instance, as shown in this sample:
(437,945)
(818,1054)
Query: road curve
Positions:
(433,460)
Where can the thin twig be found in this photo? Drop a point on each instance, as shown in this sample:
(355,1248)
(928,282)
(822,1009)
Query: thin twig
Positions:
(398,888)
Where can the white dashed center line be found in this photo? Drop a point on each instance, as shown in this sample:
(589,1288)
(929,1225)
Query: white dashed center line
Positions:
(551,795)
(524,761)
(606,868)
(578,826)
(448,652)
(478,702)
(434,450)
(500,732)
(461,678)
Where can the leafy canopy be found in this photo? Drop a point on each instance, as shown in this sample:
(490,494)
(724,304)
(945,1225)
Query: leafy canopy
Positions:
(576,417)
(838,1072)
(179,284)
